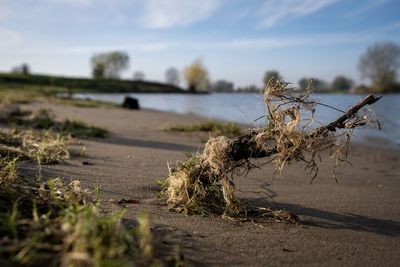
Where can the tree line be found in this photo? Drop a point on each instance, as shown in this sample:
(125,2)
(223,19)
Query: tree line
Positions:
(379,64)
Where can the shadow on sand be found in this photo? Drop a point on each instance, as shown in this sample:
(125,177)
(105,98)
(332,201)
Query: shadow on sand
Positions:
(314,217)
(124,141)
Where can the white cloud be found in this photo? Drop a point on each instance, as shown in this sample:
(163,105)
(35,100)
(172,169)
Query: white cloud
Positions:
(243,43)
(5,12)
(169,13)
(73,2)
(44,49)
(9,38)
(370,5)
(138,47)
(274,11)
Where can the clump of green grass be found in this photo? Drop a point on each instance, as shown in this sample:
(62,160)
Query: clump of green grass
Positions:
(81,129)
(84,103)
(214,127)
(53,224)
(8,168)
(42,119)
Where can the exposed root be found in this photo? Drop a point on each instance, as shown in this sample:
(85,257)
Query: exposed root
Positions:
(204,182)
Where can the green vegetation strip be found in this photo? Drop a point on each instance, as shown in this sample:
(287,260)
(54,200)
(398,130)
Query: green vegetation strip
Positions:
(87,84)
(213,127)
(43,119)
(26,93)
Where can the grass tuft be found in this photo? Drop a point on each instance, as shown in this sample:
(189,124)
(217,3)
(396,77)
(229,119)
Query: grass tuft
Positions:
(214,127)
(81,129)
(44,119)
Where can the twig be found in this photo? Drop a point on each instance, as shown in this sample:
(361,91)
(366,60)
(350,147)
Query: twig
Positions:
(244,147)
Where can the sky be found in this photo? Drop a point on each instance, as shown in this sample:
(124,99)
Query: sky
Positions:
(237,40)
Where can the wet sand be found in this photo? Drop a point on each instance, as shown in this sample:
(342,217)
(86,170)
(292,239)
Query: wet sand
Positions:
(353,223)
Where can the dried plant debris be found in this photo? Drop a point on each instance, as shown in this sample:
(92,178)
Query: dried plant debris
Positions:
(203,183)
(44,119)
(56,224)
(215,128)
(41,147)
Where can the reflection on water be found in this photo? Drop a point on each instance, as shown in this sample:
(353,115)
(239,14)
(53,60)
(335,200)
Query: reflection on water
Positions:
(246,107)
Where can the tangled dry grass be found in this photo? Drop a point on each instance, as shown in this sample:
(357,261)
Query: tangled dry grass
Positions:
(41,147)
(203,183)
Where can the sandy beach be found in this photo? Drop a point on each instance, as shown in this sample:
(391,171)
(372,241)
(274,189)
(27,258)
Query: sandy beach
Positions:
(353,223)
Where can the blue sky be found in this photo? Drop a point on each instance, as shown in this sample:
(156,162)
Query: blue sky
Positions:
(238,40)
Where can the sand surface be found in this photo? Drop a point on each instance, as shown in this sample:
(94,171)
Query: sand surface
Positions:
(353,223)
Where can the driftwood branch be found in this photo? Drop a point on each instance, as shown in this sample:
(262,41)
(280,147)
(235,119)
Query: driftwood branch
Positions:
(245,147)
(340,122)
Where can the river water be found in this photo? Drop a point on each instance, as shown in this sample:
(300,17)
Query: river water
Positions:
(247,107)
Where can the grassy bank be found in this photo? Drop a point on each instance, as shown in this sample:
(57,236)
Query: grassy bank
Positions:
(25,93)
(71,84)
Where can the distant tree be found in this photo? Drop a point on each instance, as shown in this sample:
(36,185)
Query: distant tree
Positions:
(98,70)
(109,65)
(222,86)
(316,84)
(304,83)
(22,69)
(196,76)
(172,76)
(342,83)
(272,75)
(380,63)
(139,75)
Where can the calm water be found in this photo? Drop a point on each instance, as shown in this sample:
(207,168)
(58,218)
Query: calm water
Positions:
(247,107)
